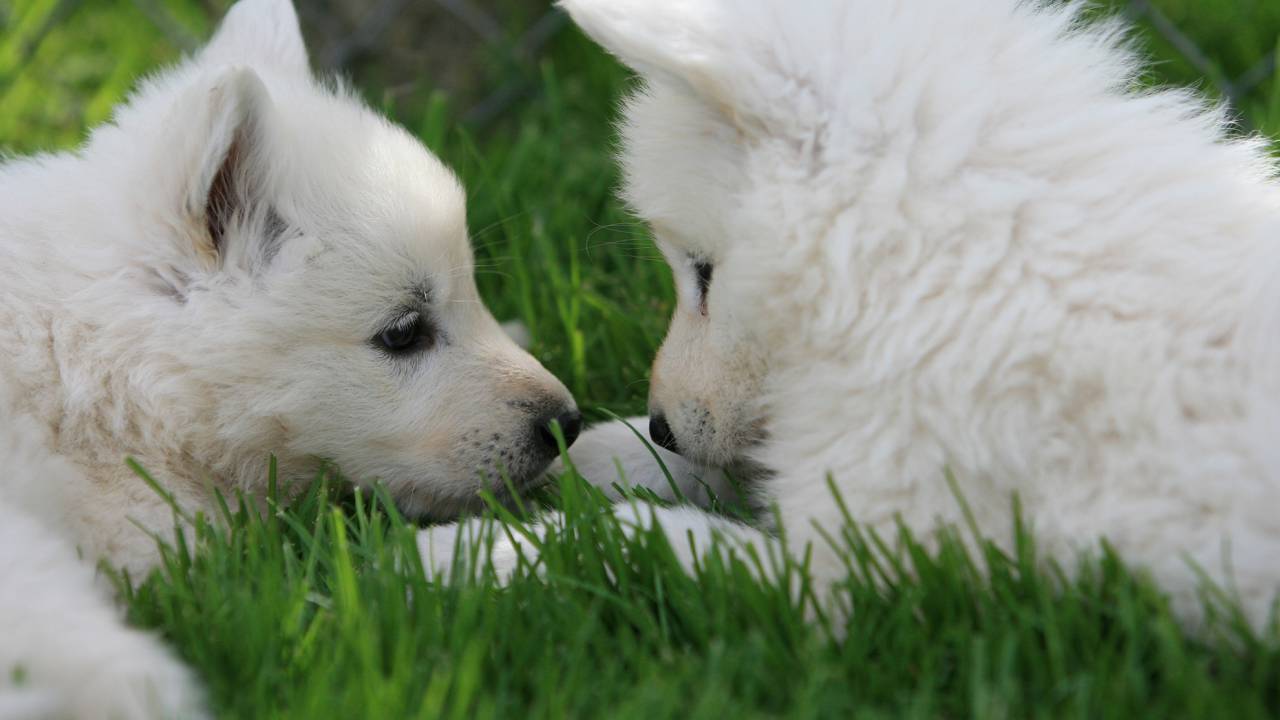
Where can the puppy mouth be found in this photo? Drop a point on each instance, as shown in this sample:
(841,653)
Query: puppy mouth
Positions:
(531,476)
(506,490)
(494,465)
(435,499)
(734,450)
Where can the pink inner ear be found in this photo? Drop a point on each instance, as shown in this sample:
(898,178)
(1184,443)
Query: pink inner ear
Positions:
(223,200)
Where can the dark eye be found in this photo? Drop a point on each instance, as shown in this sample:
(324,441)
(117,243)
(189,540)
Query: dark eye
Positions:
(407,333)
(703,270)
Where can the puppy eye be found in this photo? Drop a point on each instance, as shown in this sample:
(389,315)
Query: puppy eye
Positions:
(703,270)
(407,333)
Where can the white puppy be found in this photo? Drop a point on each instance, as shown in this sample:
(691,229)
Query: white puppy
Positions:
(925,235)
(245,262)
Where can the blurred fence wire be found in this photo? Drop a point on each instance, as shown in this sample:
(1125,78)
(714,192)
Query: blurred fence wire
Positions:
(482,22)
(1232,89)
(485,26)
(479,21)
(345,33)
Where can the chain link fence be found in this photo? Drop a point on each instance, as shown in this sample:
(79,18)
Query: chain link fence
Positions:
(1233,90)
(448,44)
(484,25)
(482,22)
(399,45)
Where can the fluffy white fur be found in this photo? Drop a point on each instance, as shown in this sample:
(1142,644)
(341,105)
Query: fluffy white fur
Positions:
(205,283)
(61,634)
(954,235)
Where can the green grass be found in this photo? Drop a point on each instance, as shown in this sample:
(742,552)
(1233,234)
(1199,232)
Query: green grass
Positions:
(61,72)
(320,610)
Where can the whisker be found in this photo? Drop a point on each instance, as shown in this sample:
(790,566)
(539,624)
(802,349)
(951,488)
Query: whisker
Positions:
(497,224)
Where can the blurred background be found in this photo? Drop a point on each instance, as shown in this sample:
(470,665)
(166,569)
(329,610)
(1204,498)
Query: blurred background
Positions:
(64,63)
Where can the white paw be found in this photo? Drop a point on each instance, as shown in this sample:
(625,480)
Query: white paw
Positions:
(475,544)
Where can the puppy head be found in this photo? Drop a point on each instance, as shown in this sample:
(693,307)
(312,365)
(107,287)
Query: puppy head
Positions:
(321,282)
(686,145)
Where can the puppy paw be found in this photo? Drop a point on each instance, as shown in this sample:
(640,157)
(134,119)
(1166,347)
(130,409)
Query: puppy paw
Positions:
(478,544)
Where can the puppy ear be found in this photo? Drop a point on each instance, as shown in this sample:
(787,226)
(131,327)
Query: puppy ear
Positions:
(259,32)
(671,39)
(225,201)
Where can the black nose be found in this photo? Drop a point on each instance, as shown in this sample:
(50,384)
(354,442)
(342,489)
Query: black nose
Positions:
(570,422)
(661,433)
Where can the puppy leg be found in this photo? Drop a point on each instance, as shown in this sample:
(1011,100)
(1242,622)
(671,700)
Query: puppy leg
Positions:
(617,454)
(64,651)
(691,533)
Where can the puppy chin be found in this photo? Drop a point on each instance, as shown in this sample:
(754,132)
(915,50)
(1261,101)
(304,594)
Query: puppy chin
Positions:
(417,506)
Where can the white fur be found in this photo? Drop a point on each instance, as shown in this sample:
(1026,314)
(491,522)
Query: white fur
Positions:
(615,456)
(618,460)
(199,287)
(60,632)
(953,235)
(691,533)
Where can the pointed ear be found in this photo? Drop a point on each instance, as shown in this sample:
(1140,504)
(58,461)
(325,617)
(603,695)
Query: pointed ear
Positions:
(225,202)
(670,39)
(259,32)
